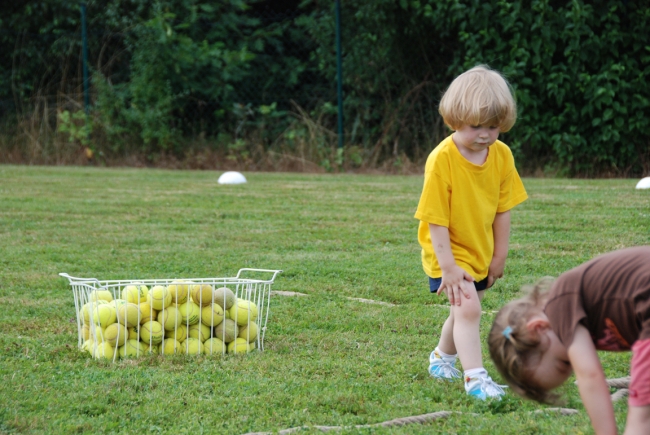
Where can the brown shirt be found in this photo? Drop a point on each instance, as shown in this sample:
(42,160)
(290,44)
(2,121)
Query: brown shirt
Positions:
(609,295)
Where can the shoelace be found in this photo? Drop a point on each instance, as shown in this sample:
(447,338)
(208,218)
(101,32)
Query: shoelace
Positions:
(448,370)
(490,387)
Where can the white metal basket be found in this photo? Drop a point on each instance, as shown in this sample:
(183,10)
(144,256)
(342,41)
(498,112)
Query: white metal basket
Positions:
(129,338)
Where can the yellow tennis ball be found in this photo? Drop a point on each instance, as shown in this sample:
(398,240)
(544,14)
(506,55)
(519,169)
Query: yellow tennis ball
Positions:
(151,332)
(170,318)
(88,346)
(103,351)
(249,331)
(132,348)
(214,345)
(96,333)
(101,294)
(199,331)
(180,291)
(136,293)
(151,349)
(171,347)
(224,297)
(193,346)
(134,334)
(86,310)
(212,315)
(116,334)
(240,345)
(202,294)
(104,315)
(117,303)
(147,313)
(129,314)
(226,330)
(190,312)
(85,332)
(159,297)
(243,311)
(179,334)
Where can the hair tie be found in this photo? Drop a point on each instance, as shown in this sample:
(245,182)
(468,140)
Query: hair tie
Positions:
(507,332)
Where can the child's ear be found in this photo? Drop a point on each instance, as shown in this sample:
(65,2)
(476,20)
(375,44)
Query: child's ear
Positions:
(538,324)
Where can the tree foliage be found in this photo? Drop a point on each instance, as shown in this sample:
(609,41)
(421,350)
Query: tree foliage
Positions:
(168,71)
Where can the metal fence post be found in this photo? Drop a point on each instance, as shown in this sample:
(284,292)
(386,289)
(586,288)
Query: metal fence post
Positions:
(339,74)
(84,37)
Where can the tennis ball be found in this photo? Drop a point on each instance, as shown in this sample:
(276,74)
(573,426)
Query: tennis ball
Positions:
(226,330)
(135,293)
(85,332)
(134,334)
(116,334)
(193,346)
(170,347)
(117,303)
(147,313)
(224,297)
(214,345)
(170,318)
(129,315)
(202,294)
(132,348)
(179,334)
(151,332)
(211,315)
(101,294)
(152,349)
(88,346)
(243,311)
(199,331)
(190,312)
(249,332)
(97,333)
(180,290)
(103,351)
(240,345)
(104,315)
(159,297)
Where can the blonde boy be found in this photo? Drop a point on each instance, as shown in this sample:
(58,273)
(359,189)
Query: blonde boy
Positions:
(470,185)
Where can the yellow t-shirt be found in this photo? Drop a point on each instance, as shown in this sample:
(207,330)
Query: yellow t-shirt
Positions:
(465,198)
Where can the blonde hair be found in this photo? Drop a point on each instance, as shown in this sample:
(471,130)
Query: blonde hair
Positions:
(513,347)
(479,96)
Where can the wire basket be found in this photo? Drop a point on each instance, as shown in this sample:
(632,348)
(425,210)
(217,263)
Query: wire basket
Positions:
(131,318)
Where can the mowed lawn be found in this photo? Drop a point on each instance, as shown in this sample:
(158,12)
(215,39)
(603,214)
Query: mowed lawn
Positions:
(329,359)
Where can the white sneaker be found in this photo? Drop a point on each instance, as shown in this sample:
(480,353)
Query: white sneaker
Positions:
(441,369)
(483,387)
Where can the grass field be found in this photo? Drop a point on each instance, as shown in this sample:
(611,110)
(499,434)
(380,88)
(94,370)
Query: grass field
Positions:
(329,360)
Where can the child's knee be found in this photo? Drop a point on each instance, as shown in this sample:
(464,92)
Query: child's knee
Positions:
(469,310)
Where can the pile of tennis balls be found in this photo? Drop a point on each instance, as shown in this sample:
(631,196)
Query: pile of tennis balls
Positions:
(180,318)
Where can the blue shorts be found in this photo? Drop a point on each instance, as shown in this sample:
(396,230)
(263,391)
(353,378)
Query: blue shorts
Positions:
(434,284)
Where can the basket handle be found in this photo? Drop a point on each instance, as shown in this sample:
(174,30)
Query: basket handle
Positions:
(273,271)
(74,278)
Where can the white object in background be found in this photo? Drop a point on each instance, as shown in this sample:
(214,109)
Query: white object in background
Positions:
(644,183)
(231,177)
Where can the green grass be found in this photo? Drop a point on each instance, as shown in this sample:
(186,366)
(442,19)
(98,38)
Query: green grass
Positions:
(328,360)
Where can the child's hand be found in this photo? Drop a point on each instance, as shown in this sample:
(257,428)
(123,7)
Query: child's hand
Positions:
(454,282)
(495,270)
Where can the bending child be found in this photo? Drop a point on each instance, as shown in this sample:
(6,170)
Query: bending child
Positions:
(537,341)
(470,185)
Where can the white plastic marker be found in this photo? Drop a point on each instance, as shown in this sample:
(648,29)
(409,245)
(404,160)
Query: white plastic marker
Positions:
(231,177)
(644,183)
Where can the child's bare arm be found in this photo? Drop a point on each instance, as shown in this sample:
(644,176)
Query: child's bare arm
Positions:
(591,382)
(452,274)
(501,231)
